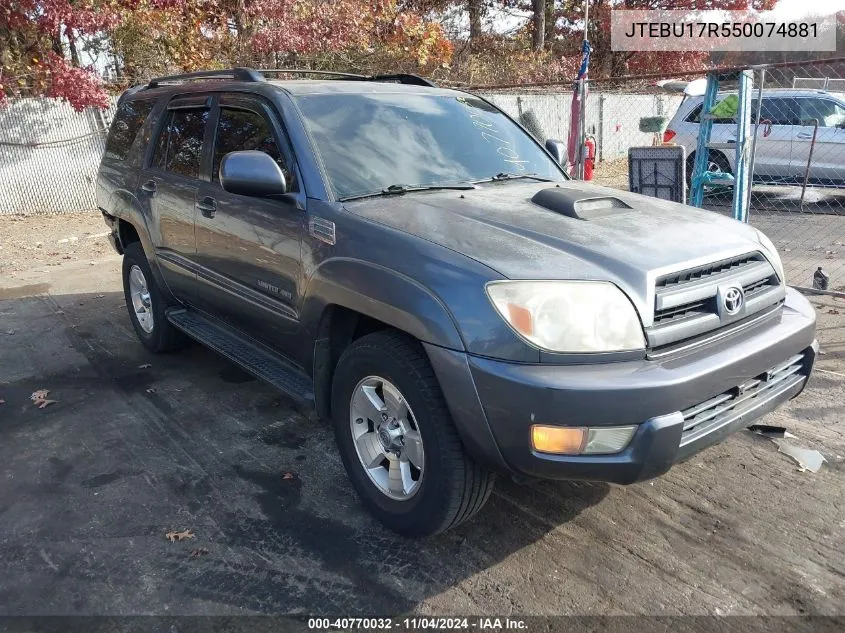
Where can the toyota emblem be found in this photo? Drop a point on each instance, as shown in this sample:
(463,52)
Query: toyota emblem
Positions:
(733,300)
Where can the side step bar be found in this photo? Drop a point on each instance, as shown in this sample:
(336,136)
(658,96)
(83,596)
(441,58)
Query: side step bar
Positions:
(258,361)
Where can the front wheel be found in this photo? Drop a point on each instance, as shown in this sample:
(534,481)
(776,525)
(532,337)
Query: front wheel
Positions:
(397,440)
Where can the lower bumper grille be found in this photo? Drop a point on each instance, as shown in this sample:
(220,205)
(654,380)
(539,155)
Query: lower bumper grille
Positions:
(719,410)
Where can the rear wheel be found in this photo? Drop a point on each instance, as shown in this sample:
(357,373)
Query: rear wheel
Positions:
(146,303)
(716,162)
(397,440)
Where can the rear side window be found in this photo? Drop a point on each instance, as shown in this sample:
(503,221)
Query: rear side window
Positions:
(128,119)
(777,110)
(180,145)
(695,116)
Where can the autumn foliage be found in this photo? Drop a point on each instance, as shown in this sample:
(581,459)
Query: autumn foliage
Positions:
(49,41)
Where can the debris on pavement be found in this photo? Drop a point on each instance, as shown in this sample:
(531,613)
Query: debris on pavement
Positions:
(145,366)
(2,401)
(767,430)
(807,459)
(10,332)
(288,475)
(39,398)
(176,535)
(151,389)
(200,551)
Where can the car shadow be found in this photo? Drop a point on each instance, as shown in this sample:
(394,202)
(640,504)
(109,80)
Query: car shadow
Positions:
(138,445)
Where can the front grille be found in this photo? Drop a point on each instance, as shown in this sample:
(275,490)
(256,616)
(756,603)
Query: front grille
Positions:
(702,272)
(720,410)
(685,304)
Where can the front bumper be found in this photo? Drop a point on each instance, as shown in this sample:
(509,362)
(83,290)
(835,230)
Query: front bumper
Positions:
(653,394)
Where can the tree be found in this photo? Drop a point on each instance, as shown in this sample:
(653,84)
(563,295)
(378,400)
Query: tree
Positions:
(34,59)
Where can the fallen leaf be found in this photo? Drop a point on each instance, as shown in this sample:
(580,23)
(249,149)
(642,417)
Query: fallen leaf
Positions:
(40,394)
(175,535)
(10,332)
(99,296)
(43,403)
(288,476)
(201,551)
(145,366)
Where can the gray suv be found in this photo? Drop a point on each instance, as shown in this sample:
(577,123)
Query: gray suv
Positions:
(411,262)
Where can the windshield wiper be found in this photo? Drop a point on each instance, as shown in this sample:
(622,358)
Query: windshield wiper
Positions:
(400,189)
(509,176)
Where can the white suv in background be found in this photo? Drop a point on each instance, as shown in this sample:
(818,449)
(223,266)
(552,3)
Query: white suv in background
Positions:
(784,137)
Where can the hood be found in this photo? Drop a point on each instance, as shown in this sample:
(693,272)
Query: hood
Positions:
(630,242)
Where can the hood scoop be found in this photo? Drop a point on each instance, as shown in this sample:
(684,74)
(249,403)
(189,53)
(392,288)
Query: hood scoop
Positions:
(576,204)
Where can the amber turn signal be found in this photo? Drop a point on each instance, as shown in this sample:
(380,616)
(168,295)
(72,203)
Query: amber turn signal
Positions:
(560,440)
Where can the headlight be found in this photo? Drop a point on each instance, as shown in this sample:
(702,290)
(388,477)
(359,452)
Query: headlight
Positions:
(569,316)
(772,255)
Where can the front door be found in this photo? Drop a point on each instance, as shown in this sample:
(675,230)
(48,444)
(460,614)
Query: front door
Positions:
(169,185)
(248,248)
(826,164)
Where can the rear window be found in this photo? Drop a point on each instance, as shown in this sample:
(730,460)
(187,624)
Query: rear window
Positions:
(128,119)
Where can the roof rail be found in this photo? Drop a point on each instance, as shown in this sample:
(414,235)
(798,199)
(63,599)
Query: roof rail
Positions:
(248,74)
(237,74)
(404,78)
(400,78)
(305,71)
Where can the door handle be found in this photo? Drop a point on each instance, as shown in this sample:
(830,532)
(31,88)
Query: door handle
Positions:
(207,206)
(805,135)
(149,186)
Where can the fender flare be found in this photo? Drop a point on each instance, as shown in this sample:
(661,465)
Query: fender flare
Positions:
(383,294)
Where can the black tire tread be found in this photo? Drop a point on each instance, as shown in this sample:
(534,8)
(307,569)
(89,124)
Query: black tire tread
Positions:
(472,485)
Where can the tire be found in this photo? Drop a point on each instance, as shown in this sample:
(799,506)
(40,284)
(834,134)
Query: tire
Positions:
(156,333)
(450,487)
(715,159)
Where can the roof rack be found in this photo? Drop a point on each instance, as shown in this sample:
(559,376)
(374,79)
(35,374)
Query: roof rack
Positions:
(236,74)
(400,78)
(248,74)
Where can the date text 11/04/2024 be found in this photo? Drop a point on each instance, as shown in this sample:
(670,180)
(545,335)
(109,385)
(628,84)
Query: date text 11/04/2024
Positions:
(418,624)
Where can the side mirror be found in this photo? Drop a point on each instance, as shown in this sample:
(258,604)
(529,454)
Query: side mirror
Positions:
(251,173)
(558,150)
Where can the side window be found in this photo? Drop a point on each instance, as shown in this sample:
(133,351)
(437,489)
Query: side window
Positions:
(128,120)
(695,116)
(179,147)
(827,112)
(778,110)
(244,130)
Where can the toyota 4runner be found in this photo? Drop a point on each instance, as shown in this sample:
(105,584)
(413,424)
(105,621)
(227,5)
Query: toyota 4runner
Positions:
(412,263)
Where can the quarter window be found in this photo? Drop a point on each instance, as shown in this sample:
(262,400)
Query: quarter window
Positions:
(128,120)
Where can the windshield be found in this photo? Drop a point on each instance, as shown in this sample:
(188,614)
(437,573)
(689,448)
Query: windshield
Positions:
(369,142)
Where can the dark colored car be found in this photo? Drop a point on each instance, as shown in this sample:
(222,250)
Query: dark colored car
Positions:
(411,262)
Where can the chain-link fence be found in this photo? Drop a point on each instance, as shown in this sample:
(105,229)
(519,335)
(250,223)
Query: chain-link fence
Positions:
(49,156)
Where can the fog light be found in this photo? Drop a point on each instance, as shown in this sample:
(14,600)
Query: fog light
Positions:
(558,439)
(568,440)
(609,439)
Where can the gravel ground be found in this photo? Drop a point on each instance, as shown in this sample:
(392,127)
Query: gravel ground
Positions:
(137,445)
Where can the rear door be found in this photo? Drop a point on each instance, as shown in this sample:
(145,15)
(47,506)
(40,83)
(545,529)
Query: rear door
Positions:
(778,115)
(169,184)
(827,166)
(248,248)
